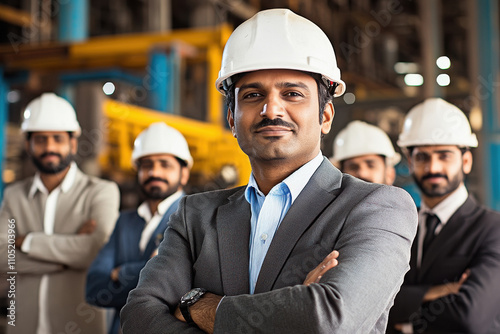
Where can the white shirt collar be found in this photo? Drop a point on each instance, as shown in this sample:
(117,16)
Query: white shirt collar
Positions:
(65,185)
(145,213)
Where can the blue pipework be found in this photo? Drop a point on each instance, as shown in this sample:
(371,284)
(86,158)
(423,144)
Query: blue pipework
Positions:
(488,48)
(4,113)
(73,20)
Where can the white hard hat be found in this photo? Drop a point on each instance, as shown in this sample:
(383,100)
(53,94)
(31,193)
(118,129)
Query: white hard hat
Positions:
(436,122)
(49,112)
(159,138)
(360,138)
(279,39)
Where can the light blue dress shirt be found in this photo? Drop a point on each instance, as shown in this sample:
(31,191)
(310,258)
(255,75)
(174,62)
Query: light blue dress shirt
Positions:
(268,212)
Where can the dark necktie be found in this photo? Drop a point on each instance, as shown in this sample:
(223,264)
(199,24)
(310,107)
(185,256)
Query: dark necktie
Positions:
(431,223)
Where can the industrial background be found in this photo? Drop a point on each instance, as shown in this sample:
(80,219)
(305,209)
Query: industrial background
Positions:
(124,64)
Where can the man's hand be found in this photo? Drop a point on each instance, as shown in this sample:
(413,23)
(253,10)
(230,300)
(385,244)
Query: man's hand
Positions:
(328,263)
(442,290)
(19,241)
(88,227)
(202,312)
(115,273)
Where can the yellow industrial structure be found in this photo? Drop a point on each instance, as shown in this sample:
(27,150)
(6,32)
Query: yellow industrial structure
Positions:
(217,157)
(218,161)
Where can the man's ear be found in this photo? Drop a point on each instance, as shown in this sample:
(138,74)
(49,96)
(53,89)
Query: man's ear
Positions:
(230,121)
(406,153)
(328,114)
(73,142)
(467,162)
(390,175)
(184,175)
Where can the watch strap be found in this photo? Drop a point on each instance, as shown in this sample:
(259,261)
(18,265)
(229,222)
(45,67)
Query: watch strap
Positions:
(184,307)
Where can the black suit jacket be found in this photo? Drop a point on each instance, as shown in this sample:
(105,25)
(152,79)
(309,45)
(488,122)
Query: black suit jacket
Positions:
(469,240)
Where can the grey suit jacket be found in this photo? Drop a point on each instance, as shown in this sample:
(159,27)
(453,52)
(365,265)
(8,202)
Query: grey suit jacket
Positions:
(62,257)
(207,245)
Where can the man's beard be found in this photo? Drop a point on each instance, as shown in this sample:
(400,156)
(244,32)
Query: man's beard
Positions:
(52,168)
(156,193)
(439,190)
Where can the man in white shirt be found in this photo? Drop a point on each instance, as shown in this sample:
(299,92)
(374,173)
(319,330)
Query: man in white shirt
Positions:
(59,219)
(452,286)
(162,158)
(366,152)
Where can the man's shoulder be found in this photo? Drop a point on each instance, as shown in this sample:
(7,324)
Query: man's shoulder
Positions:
(128,217)
(360,187)
(215,197)
(473,208)
(95,182)
(129,214)
(489,216)
(19,187)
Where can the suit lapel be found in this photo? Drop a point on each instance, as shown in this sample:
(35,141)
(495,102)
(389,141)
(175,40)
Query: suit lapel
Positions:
(313,199)
(65,205)
(233,231)
(459,220)
(157,235)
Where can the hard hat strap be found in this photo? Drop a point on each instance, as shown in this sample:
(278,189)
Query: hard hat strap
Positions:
(330,85)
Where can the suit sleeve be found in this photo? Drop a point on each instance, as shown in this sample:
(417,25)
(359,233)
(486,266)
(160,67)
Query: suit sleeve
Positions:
(23,263)
(407,301)
(101,290)
(78,251)
(475,307)
(375,252)
(150,306)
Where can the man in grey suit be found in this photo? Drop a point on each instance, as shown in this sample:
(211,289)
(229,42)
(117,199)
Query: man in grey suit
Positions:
(53,224)
(255,259)
(453,283)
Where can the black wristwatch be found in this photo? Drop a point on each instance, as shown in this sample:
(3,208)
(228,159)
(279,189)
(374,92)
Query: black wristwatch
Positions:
(189,299)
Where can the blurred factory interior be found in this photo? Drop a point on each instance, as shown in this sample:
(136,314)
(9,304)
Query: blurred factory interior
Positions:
(126,63)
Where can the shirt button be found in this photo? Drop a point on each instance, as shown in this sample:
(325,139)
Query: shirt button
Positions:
(263,236)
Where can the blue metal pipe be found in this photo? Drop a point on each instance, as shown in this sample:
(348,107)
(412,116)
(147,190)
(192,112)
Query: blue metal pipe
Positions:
(488,48)
(109,74)
(73,20)
(162,80)
(4,114)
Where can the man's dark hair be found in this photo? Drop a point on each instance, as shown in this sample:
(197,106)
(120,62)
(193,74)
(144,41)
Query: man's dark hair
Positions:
(324,95)
(179,160)
(29,134)
(342,162)
(462,149)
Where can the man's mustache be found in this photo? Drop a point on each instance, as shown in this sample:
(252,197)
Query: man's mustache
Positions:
(151,179)
(272,122)
(428,176)
(48,154)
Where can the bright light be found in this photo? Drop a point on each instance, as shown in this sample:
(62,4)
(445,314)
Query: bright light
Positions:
(108,88)
(414,79)
(402,68)
(27,114)
(349,98)
(443,62)
(13,96)
(443,79)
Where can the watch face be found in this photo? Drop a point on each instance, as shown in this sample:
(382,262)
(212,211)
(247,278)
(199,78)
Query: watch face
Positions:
(193,295)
